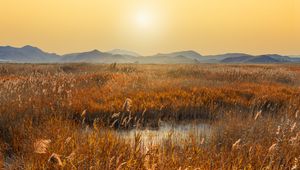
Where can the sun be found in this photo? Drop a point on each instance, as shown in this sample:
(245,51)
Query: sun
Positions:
(142,23)
(144,19)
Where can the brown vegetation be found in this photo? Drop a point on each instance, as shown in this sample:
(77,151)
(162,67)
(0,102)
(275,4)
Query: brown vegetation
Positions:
(66,116)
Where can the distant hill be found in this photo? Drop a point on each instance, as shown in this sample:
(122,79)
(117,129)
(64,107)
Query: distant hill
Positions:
(90,56)
(96,56)
(26,54)
(123,52)
(239,59)
(262,59)
(30,54)
(228,57)
(295,58)
(162,59)
(268,58)
(184,57)
(187,54)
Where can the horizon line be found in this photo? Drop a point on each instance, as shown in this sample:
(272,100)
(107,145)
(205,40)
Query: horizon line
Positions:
(157,53)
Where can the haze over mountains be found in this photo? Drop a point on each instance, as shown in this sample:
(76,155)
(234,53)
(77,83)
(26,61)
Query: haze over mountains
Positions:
(30,54)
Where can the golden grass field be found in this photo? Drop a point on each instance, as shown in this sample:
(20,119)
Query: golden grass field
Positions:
(68,116)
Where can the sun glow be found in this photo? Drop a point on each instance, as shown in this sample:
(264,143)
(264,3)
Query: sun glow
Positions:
(144,19)
(151,26)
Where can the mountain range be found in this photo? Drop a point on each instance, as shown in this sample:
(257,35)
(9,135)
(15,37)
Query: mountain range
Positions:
(30,54)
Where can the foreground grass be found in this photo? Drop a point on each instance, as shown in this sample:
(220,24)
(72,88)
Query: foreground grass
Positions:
(253,108)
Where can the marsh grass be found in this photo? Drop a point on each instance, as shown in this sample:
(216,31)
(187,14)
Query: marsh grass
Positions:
(79,108)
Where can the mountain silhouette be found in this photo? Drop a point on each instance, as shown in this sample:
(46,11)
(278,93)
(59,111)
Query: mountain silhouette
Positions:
(123,52)
(30,54)
(188,54)
(26,54)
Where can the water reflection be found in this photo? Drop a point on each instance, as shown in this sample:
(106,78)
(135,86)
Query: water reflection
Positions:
(176,132)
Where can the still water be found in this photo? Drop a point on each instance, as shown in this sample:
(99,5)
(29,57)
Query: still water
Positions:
(178,133)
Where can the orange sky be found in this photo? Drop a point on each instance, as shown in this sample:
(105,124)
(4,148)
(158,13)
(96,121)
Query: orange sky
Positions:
(151,26)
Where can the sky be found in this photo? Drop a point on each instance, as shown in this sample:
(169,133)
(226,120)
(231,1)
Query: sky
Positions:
(153,26)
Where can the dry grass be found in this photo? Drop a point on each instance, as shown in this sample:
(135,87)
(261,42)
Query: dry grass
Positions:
(254,110)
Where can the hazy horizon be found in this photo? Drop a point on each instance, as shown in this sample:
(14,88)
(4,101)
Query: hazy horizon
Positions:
(149,27)
(167,52)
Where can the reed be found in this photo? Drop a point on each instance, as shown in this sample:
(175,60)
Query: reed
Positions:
(66,116)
